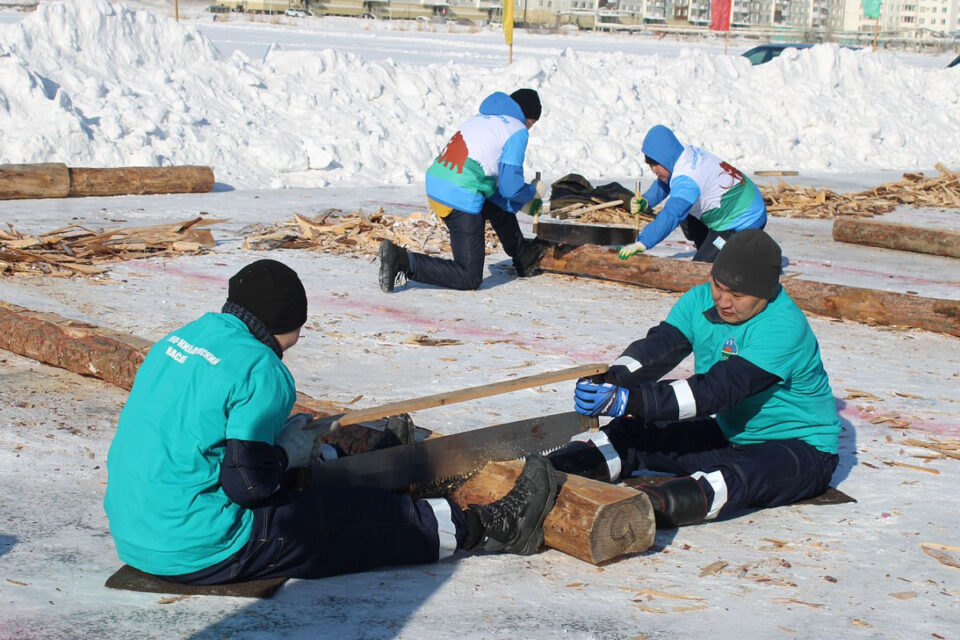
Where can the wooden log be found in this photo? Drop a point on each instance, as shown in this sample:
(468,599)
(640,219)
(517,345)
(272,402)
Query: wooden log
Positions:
(897,236)
(593,521)
(114,357)
(869,306)
(20,181)
(140,180)
(76,346)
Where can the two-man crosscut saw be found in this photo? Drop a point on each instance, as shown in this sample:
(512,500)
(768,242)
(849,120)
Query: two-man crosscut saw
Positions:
(405,467)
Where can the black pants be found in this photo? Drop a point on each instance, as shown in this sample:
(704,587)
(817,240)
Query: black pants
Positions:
(467,233)
(319,533)
(704,238)
(769,474)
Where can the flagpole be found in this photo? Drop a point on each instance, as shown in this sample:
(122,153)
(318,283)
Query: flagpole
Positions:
(876,32)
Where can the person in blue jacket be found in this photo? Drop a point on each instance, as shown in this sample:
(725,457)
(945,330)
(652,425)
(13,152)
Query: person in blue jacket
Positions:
(477,177)
(197,489)
(755,426)
(707,198)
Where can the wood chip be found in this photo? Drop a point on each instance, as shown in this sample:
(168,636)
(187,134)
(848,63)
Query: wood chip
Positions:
(812,605)
(940,555)
(17,582)
(713,568)
(894,463)
(903,595)
(427,341)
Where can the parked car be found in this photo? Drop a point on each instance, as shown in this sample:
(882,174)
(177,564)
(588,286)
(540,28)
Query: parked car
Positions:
(956,62)
(297,13)
(767,52)
(368,16)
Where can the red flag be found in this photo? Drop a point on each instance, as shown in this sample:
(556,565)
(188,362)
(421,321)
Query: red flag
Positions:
(720,15)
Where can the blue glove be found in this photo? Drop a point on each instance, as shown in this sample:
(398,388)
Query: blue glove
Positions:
(600,398)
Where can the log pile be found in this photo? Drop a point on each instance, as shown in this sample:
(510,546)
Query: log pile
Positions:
(339,232)
(915,189)
(75,249)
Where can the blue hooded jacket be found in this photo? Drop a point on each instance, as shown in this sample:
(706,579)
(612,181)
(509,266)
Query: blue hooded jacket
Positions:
(662,145)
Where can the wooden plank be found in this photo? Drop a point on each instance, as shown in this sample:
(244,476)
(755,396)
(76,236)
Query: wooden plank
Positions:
(20,181)
(140,180)
(593,521)
(471,393)
(869,306)
(897,236)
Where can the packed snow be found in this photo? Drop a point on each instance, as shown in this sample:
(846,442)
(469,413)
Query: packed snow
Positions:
(95,84)
(106,85)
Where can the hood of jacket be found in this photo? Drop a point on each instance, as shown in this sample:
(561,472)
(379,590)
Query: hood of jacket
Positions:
(661,145)
(501,104)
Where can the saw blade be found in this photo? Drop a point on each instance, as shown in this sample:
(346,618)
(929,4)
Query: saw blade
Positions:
(401,467)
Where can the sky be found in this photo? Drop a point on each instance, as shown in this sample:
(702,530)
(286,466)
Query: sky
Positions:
(303,128)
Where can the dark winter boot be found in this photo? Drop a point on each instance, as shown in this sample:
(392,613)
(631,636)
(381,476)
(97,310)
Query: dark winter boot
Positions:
(514,524)
(678,502)
(394,266)
(582,459)
(527,260)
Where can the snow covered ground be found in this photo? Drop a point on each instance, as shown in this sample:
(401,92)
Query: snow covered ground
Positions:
(135,94)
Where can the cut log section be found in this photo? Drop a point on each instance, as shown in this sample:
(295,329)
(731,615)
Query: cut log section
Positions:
(21,181)
(869,306)
(593,521)
(140,181)
(114,357)
(897,236)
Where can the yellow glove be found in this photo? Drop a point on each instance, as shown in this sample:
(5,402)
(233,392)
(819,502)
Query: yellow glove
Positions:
(632,249)
(638,205)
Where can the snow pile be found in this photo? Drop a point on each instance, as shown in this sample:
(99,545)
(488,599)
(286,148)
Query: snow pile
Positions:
(90,83)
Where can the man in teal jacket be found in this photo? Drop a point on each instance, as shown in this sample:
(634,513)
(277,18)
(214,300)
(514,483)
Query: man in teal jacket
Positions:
(196,492)
(755,426)
(478,177)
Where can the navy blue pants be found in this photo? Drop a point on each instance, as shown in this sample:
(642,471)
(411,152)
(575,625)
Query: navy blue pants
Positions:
(467,239)
(319,533)
(703,238)
(769,474)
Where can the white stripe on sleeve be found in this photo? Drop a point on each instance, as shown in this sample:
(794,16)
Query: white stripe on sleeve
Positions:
(632,364)
(686,403)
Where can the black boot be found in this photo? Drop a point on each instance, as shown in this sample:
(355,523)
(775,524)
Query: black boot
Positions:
(394,266)
(527,260)
(678,502)
(514,524)
(582,459)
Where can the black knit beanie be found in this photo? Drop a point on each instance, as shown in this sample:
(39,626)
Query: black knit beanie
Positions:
(529,102)
(749,263)
(272,291)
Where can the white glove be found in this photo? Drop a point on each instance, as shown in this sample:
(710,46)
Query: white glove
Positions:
(296,442)
(539,188)
(631,249)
